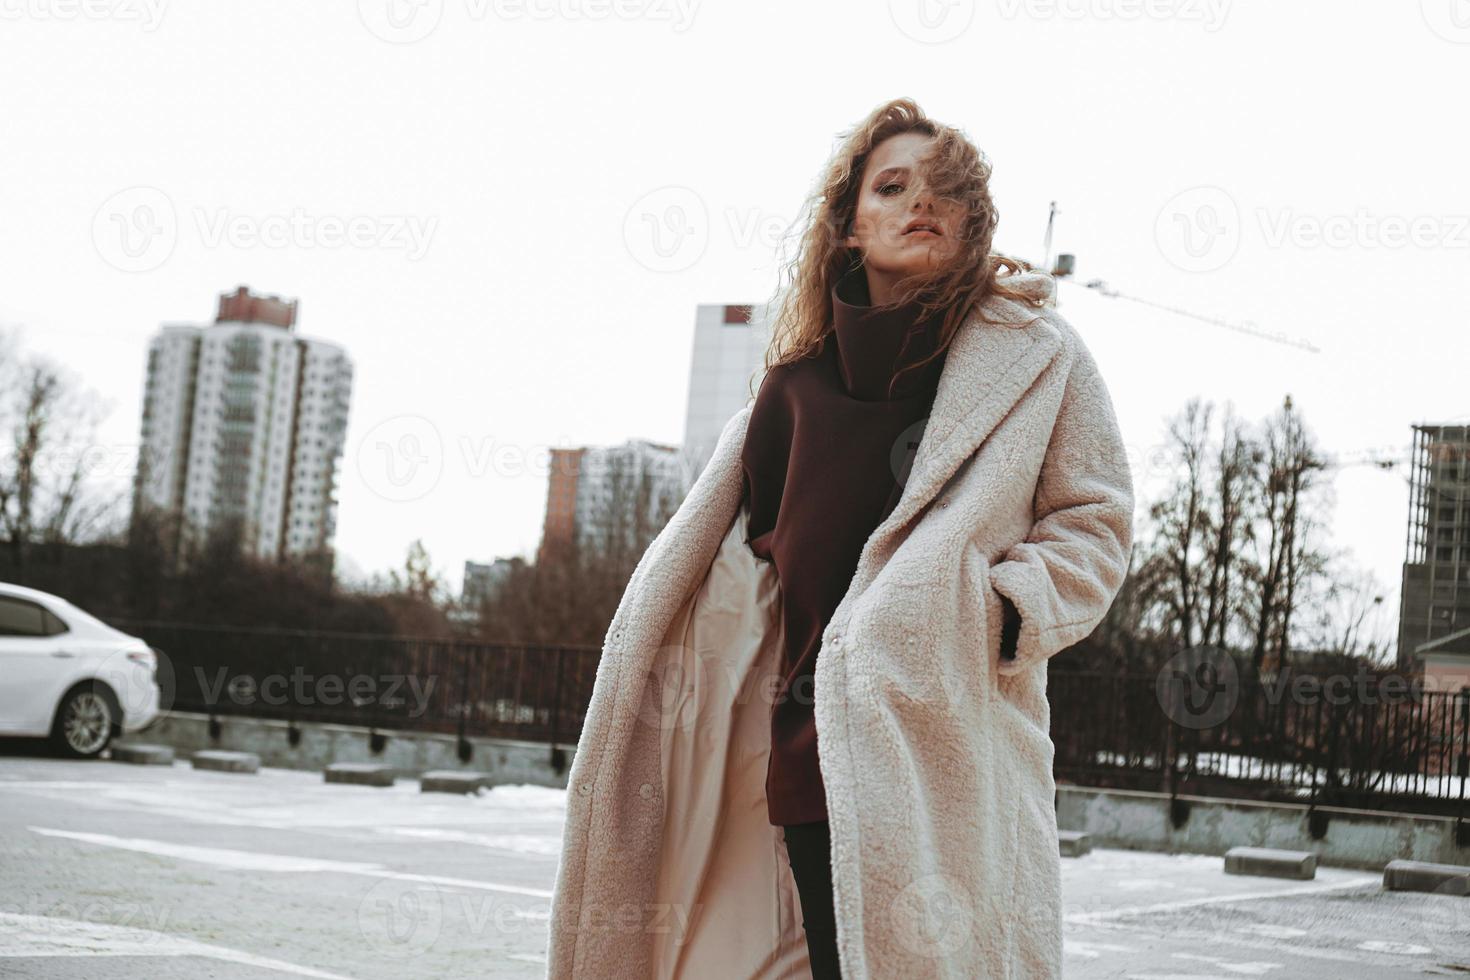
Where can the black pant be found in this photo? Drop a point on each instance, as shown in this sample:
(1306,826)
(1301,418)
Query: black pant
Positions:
(809,848)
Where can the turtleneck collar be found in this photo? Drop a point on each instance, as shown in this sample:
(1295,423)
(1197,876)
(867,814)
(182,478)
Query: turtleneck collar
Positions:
(870,342)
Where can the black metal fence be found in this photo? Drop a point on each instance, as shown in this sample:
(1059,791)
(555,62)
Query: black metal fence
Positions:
(535,693)
(1368,742)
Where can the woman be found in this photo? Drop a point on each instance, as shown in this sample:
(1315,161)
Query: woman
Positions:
(894,793)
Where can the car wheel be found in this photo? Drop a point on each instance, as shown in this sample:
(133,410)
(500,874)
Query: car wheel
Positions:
(85,722)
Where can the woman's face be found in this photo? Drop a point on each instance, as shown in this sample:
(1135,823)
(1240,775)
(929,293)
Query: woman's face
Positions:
(900,228)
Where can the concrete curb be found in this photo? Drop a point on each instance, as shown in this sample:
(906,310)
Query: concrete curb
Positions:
(143,755)
(360,774)
(216,761)
(1421,876)
(454,781)
(1268,862)
(1074,843)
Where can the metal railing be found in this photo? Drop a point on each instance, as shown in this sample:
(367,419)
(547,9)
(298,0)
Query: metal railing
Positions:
(385,683)
(1377,744)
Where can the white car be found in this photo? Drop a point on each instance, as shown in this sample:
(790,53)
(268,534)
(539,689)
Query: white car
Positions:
(66,675)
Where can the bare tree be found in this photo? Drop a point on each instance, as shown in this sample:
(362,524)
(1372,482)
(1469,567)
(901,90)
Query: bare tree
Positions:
(1286,480)
(1347,615)
(1233,558)
(1223,521)
(1170,573)
(50,418)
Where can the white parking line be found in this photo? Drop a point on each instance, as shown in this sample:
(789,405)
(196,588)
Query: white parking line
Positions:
(1086,918)
(23,936)
(256,861)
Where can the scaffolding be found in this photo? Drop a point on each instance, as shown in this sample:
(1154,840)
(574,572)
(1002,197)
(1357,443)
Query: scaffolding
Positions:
(1435,598)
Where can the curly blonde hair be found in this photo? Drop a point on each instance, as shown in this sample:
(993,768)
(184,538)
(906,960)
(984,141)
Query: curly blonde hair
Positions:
(954,169)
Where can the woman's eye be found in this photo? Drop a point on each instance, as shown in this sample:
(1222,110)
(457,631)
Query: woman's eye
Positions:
(884,189)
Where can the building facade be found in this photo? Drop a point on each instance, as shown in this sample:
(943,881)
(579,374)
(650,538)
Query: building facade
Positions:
(244,426)
(725,370)
(610,498)
(1434,612)
(617,497)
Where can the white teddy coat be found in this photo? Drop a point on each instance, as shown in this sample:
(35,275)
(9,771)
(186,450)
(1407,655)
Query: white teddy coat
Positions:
(935,753)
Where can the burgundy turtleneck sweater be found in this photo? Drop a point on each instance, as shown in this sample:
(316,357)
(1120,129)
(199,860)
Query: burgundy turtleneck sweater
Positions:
(827,451)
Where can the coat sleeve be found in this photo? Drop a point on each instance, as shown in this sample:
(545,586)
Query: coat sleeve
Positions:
(1063,577)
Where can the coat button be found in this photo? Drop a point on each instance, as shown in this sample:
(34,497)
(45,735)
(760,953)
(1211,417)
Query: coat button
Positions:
(646,791)
(585,789)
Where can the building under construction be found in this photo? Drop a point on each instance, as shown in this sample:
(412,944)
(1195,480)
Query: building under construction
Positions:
(1434,615)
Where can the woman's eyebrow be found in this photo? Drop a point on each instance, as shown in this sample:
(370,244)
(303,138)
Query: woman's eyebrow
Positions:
(889,172)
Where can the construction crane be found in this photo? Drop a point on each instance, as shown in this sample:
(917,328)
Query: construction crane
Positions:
(1066,262)
(1247,327)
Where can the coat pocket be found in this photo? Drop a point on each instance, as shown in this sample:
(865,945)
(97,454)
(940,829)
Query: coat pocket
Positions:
(983,631)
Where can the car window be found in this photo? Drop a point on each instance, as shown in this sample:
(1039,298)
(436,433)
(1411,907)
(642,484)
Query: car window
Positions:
(21,618)
(54,624)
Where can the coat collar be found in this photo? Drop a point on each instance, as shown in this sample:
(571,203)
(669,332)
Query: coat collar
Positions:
(987,369)
(873,343)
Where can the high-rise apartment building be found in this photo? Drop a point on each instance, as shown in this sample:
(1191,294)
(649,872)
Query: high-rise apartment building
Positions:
(611,497)
(1434,615)
(244,424)
(726,368)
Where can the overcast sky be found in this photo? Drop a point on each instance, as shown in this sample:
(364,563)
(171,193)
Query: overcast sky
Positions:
(503,170)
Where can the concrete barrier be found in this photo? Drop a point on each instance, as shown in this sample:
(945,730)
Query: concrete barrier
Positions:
(226,761)
(315,746)
(1268,862)
(143,755)
(1074,843)
(360,774)
(1341,837)
(454,781)
(1422,876)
